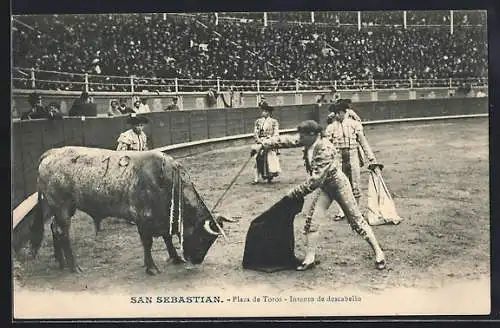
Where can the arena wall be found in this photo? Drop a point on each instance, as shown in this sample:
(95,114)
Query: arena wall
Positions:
(226,126)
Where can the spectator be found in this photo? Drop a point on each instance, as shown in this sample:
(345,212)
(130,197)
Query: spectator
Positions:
(137,106)
(173,105)
(121,45)
(54,112)
(37,109)
(322,100)
(113,108)
(144,107)
(228,104)
(123,108)
(83,106)
(263,102)
(211,98)
(480,94)
(334,95)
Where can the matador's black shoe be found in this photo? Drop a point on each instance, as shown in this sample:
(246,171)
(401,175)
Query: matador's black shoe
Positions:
(338,218)
(380,265)
(305,267)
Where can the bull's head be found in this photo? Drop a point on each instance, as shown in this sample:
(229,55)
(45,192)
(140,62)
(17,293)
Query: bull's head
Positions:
(200,227)
(198,241)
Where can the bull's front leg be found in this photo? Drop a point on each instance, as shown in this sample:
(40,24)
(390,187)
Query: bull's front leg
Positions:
(147,243)
(97,224)
(172,252)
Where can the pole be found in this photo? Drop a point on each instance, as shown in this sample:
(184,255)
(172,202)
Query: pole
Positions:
(219,201)
(359,20)
(132,85)
(265,19)
(451,21)
(404,19)
(216,19)
(176,82)
(86,82)
(33,81)
(312,16)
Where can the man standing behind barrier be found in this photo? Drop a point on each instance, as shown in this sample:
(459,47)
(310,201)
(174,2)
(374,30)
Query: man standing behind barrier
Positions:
(135,138)
(54,111)
(173,105)
(262,102)
(267,163)
(83,106)
(37,109)
(347,136)
(144,107)
(137,106)
(113,108)
(322,100)
(123,108)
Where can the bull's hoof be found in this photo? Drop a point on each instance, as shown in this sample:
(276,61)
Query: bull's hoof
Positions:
(152,271)
(76,269)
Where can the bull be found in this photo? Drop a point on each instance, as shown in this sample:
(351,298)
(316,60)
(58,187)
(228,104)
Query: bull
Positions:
(150,189)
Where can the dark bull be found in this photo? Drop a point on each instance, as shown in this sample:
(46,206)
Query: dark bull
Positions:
(148,188)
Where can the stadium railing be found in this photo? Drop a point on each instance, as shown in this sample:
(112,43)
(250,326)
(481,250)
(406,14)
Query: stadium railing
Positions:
(30,78)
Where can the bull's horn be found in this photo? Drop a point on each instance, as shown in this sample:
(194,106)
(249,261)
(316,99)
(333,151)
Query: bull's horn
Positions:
(209,229)
(224,219)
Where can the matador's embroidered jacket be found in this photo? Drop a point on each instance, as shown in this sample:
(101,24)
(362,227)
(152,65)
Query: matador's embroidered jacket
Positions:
(348,134)
(321,159)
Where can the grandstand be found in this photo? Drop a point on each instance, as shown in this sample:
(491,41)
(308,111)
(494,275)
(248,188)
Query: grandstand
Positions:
(286,51)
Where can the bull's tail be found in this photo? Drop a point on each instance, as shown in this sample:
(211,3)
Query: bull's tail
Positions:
(37,227)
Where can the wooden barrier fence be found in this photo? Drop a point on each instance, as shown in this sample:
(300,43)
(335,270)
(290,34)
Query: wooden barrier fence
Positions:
(32,138)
